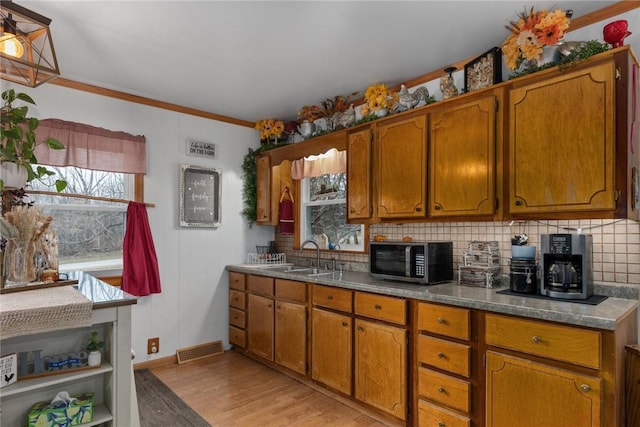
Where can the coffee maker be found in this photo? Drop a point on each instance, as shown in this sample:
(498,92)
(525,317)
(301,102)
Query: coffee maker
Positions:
(566,266)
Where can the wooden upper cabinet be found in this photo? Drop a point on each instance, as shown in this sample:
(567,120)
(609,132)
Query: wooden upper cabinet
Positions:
(562,143)
(401,172)
(359,175)
(263,190)
(271,180)
(462,159)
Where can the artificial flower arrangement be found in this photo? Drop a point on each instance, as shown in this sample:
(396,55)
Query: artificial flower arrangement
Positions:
(337,104)
(310,113)
(378,97)
(531,33)
(270,129)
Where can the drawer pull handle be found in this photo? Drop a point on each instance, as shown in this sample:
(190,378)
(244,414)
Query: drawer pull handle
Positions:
(360,328)
(441,390)
(329,297)
(345,324)
(377,307)
(441,355)
(441,424)
(441,320)
(585,388)
(536,339)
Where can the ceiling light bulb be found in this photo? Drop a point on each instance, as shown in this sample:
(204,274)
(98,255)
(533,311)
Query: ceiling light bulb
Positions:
(10,45)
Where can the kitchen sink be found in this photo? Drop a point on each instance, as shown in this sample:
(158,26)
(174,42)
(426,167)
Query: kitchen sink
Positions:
(320,273)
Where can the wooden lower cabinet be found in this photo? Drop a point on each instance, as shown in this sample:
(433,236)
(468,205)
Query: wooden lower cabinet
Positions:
(444,347)
(380,366)
(260,326)
(237,306)
(291,336)
(469,367)
(522,393)
(430,415)
(331,349)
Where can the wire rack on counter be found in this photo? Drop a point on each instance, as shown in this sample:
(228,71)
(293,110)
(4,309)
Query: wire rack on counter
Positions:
(266,258)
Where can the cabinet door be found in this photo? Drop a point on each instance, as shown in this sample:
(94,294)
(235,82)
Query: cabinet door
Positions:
(260,326)
(291,336)
(462,159)
(359,175)
(381,367)
(402,168)
(263,190)
(561,143)
(524,393)
(331,349)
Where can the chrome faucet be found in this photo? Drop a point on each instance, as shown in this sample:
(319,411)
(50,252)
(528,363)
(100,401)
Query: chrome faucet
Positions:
(333,260)
(317,250)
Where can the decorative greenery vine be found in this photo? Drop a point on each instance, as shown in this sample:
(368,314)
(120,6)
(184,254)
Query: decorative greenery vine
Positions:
(580,54)
(249,184)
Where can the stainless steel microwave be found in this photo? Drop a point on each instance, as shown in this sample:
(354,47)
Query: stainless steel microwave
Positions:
(420,262)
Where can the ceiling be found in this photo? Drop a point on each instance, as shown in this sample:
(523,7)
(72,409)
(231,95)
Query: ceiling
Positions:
(258,59)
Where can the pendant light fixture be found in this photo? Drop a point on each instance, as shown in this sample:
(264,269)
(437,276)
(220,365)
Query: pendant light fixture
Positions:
(27,56)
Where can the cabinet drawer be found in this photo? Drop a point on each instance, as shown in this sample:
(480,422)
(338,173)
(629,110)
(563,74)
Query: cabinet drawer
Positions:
(237,281)
(449,356)
(443,320)
(380,307)
(559,342)
(237,317)
(444,389)
(260,285)
(434,416)
(336,298)
(237,337)
(237,299)
(291,290)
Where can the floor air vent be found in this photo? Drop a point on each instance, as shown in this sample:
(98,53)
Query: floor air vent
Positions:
(199,352)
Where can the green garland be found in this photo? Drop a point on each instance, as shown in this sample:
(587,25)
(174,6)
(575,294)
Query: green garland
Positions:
(580,54)
(250,184)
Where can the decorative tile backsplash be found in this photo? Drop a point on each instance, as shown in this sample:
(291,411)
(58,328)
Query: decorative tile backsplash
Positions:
(616,243)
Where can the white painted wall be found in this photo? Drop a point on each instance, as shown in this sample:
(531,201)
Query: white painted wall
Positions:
(193,306)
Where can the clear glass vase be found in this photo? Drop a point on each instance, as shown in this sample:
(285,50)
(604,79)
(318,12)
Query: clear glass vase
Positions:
(20,267)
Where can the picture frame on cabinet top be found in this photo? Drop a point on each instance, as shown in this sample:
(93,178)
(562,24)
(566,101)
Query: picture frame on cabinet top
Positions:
(200,196)
(484,71)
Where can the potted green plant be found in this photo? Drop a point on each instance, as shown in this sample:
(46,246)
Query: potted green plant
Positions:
(18,144)
(93,347)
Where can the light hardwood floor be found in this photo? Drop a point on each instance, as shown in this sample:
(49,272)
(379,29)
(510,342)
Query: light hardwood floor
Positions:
(231,390)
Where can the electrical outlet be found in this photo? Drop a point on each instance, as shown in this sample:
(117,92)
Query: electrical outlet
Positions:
(153,345)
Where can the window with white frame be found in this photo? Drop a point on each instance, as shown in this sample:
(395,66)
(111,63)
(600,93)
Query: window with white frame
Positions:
(89,232)
(324,213)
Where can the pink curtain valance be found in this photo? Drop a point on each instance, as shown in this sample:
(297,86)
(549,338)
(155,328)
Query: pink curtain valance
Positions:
(333,161)
(91,147)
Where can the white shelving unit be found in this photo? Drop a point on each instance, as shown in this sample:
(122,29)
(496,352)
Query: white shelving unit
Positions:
(110,383)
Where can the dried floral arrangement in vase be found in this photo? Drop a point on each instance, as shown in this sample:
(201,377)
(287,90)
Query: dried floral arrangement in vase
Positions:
(24,227)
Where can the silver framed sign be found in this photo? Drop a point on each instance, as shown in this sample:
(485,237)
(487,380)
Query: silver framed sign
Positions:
(200,196)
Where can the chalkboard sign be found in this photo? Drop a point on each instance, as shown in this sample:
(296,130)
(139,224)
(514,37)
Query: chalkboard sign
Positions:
(200,195)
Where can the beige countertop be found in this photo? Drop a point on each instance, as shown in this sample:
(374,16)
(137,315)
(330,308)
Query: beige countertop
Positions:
(621,302)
